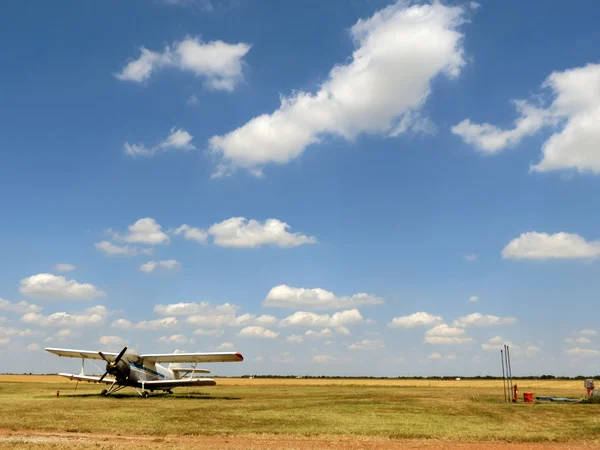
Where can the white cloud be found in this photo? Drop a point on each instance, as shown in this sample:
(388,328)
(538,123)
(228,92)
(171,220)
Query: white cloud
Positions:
(583,352)
(241,232)
(175,339)
(587,332)
(541,246)
(111,341)
(284,296)
(226,346)
(322,358)
(192,100)
(474,298)
(438,356)
(33,347)
(324,333)
(215,332)
(122,323)
(219,63)
(367,345)
(144,231)
(63,335)
(94,315)
(373,93)
(294,339)
(64,267)
(418,319)
(343,330)
(497,343)
(259,358)
(195,234)
(48,286)
(445,330)
(19,308)
(448,340)
(573,114)
(157,324)
(110,249)
(4,341)
(178,139)
(579,340)
(470,257)
(256,331)
(204,308)
(309,319)
(150,266)
(219,316)
(483,320)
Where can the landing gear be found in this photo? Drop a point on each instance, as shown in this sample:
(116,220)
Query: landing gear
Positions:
(145,394)
(170,392)
(104,393)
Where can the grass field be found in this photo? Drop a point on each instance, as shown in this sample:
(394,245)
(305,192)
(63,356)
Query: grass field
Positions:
(456,411)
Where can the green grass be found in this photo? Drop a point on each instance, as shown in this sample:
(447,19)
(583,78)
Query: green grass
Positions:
(469,413)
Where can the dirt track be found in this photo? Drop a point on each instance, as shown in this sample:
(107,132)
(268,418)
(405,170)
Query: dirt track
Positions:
(39,439)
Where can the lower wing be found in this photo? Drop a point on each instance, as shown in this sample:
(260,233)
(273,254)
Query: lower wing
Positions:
(167,384)
(88,378)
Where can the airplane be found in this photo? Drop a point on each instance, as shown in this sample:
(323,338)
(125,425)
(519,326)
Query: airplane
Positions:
(143,373)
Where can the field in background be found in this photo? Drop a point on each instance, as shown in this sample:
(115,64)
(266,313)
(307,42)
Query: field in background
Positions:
(459,411)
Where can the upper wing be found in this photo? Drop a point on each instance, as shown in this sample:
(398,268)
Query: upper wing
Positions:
(88,378)
(70,353)
(183,370)
(193,357)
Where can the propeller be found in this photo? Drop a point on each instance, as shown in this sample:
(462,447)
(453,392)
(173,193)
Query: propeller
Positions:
(111,364)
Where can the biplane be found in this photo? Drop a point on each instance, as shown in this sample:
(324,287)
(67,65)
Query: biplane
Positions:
(145,373)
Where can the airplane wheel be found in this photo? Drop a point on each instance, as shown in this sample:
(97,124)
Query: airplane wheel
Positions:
(145,394)
(104,392)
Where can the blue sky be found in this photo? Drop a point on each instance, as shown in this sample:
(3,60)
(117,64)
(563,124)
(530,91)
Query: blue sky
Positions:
(278,159)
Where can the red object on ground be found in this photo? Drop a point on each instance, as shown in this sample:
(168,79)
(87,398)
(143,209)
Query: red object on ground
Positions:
(528,397)
(515,395)
(57,393)
(589,391)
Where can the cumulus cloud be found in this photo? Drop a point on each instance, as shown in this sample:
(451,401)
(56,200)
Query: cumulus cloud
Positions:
(122,323)
(542,246)
(284,296)
(577,340)
(418,319)
(157,324)
(89,317)
(497,343)
(204,308)
(150,266)
(64,267)
(470,257)
(113,341)
(257,331)
(573,115)
(324,333)
(474,298)
(445,330)
(587,332)
(322,358)
(226,346)
(19,308)
(294,339)
(241,232)
(48,286)
(373,93)
(63,335)
(110,249)
(214,333)
(309,319)
(367,345)
(219,63)
(438,356)
(144,231)
(175,339)
(191,233)
(178,139)
(483,320)
(578,351)
(33,347)
(448,340)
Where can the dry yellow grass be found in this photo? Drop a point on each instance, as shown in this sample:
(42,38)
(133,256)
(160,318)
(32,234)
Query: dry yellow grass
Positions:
(330,409)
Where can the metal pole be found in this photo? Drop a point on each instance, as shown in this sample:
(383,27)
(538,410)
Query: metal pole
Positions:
(510,372)
(503,379)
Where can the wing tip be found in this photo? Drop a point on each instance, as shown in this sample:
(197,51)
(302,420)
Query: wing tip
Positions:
(239,355)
